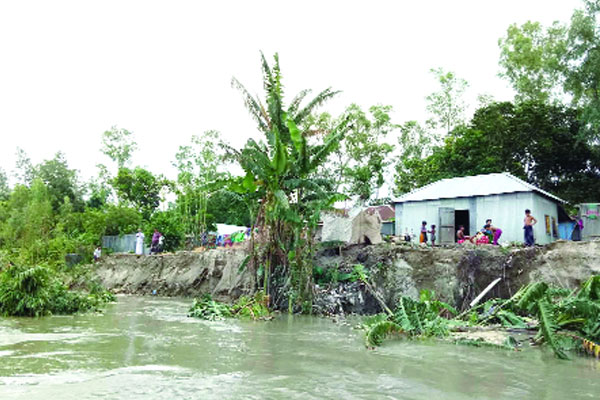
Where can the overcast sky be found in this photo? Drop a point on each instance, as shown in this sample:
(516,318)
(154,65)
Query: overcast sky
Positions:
(70,70)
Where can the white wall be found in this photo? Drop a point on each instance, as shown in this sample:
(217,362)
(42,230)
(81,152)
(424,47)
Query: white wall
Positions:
(542,207)
(507,212)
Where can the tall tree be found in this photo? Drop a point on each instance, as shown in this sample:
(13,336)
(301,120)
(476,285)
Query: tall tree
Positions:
(199,165)
(280,173)
(549,64)
(359,162)
(532,140)
(118,145)
(447,106)
(24,170)
(140,188)
(4,188)
(61,181)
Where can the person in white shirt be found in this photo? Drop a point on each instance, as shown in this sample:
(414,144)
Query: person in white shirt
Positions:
(139,242)
(97,254)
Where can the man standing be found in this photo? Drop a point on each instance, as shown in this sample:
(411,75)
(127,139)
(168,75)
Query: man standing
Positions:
(529,222)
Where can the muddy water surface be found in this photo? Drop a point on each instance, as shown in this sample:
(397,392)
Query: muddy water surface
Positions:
(146,348)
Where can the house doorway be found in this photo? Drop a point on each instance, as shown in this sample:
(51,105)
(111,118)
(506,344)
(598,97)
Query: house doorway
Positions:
(461,217)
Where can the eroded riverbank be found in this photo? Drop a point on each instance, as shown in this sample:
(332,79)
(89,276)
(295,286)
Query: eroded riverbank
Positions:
(457,274)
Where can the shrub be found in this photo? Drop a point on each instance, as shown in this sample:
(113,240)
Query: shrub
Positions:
(36,291)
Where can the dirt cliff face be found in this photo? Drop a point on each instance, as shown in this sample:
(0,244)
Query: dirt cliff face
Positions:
(181,274)
(457,275)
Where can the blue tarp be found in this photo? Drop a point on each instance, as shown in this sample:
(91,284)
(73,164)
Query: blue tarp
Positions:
(565,230)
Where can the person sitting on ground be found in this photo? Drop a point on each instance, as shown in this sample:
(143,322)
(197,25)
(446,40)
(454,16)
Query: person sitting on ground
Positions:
(460,235)
(487,231)
(423,237)
(407,237)
(432,231)
(97,254)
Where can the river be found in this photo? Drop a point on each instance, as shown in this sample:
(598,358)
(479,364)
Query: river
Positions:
(146,348)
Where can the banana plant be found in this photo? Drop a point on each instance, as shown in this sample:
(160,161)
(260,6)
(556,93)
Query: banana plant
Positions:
(280,172)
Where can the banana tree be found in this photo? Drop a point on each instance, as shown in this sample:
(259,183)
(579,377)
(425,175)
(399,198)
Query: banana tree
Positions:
(280,171)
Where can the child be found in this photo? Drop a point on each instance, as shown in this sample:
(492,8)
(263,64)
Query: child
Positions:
(97,254)
(423,237)
(528,224)
(432,231)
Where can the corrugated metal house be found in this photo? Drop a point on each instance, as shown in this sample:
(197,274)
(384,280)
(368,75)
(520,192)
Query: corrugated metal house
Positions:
(470,200)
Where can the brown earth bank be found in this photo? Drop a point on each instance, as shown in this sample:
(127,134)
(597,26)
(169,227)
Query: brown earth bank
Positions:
(184,273)
(457,274)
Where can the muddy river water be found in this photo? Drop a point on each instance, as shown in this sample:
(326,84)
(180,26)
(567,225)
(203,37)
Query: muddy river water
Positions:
(146,348)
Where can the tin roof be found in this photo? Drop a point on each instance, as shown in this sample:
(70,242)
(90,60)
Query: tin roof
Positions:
(470,186)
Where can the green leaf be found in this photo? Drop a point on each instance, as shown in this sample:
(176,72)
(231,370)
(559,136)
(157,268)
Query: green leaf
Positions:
(295,134)
(548,327)
(248,182)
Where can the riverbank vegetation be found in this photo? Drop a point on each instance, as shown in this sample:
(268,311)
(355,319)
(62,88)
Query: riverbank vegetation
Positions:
(562,320)
(37,291)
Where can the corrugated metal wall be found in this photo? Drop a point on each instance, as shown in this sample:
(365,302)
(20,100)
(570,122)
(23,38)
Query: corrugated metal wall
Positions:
(507,212)
(122,244)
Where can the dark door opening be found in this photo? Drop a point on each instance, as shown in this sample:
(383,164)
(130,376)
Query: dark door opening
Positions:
(461,217)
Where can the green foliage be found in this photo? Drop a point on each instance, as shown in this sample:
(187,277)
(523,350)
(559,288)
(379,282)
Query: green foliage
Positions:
(168,224)
(4,189)
(548,326)
(118,145)
(545,64)
(37,291)
(281,176)
(121,220)
(447,106)
(199,167)
(208,309)
(231,208)
(140,188)
(531,295)
(411,317)
(246,307)
(566,320)
(379,331)
(533,141)
(61,182)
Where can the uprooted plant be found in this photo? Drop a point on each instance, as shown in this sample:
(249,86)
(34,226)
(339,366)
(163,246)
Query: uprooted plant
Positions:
(207,308)
(564,320)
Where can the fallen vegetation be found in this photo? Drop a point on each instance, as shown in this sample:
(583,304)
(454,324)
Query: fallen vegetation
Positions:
(565,321)
(38,291)
(246,307)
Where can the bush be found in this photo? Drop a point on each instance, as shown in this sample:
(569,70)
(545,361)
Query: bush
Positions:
(36,291)
(167,223)
(122,220)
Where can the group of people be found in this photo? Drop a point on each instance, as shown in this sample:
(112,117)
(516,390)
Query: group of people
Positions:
(423,237)
(489,234)
(156,246)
